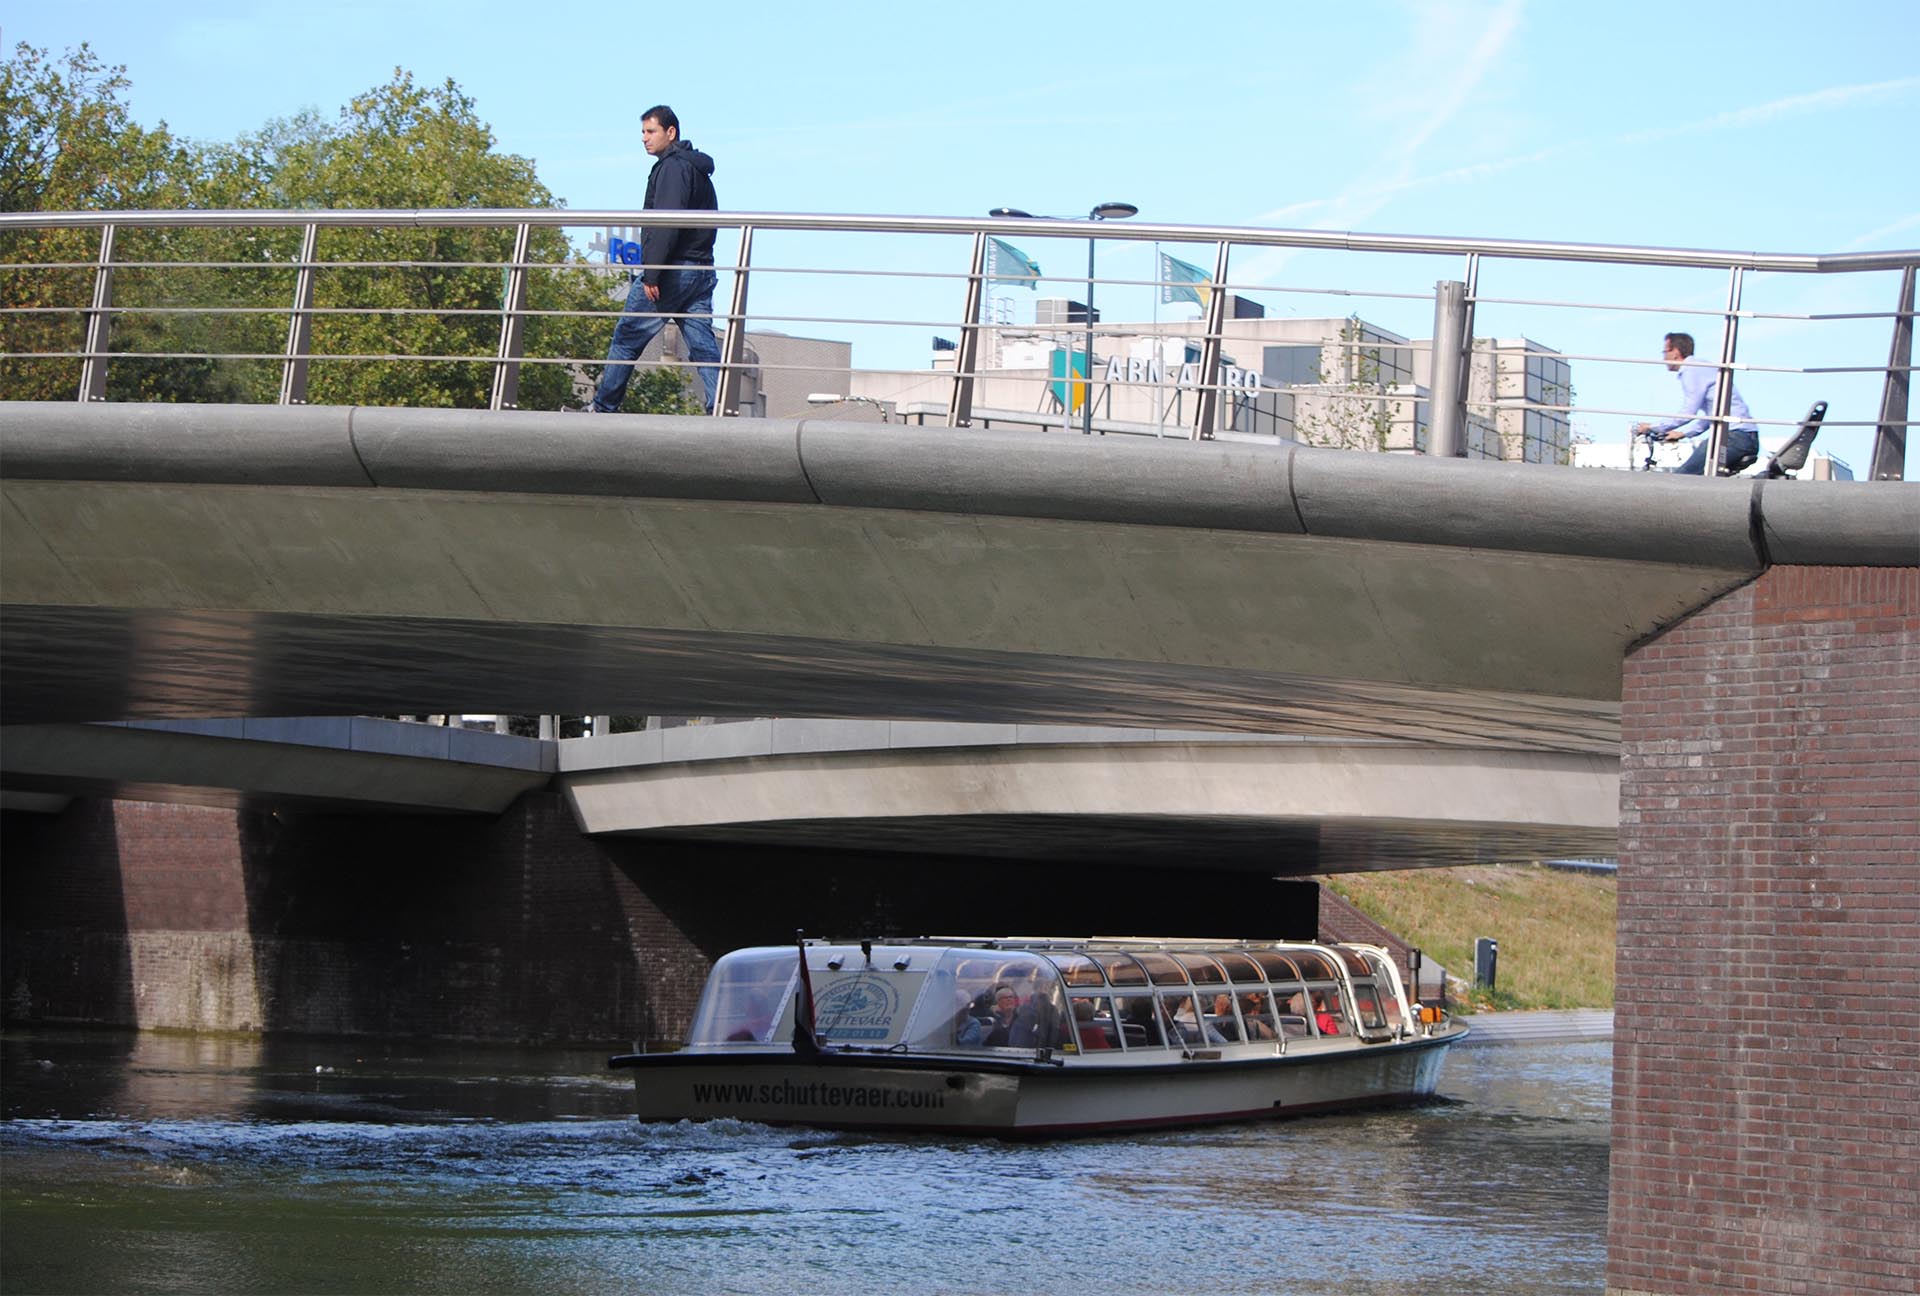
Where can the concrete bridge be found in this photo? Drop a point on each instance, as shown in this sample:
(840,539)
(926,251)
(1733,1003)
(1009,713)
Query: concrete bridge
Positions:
(1750,652)
(192,561)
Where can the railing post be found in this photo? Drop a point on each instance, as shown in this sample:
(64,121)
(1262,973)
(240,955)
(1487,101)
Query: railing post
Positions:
(1447,398)
(1890,442)
(93,369)
(1207,400)
(293,369)
(967,354)
(513,325)
(726,398)
(1723,391)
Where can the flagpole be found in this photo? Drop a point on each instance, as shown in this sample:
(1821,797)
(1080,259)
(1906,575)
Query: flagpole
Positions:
(1159,346)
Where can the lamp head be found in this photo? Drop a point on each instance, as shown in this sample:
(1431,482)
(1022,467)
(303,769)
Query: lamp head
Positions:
(1113,211)
(1011,211)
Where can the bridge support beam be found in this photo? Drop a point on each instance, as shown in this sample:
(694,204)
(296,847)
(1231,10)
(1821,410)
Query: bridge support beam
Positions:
(1767,1029)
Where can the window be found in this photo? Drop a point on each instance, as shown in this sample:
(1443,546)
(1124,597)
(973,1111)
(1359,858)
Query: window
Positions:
(745,996)
(1164,969)
(1095,1025)
(974,999)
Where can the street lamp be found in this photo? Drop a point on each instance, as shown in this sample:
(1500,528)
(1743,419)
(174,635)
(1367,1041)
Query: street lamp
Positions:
(1101,212)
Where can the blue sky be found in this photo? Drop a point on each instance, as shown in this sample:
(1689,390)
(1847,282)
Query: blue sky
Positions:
(1769,126)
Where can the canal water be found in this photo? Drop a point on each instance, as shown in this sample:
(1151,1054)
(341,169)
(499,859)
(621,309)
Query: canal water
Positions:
(172,1164)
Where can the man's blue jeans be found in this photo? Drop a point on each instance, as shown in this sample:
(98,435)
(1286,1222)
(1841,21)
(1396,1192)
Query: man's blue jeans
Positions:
(1740,443)
(685,291)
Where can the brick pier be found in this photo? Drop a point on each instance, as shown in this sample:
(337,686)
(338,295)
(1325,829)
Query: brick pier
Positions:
(1766,1109)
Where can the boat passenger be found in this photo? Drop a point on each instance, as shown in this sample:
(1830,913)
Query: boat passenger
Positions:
(1324,1017)
(1254,1009)
(756,1021)
(1190,1031)
(1222,1018)
(999,1030)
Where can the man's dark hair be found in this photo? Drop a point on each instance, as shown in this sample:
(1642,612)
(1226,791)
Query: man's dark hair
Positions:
(664,115)
(1681,342)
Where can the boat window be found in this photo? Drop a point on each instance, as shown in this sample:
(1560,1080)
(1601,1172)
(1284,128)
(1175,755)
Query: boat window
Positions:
(1122,970)
(1313,966)
(1329,1013)
(1351,957)
(1221,1014)
(1185,1023)
(1366,1003)
(1201,969)
(1290,1007)
(1140,1022)
(1078,970)
(1385,979)
(1256,1012)
(1001,1002)
(1095,1025)
(1164,969)
(744,997)
(1240,968)
(1277,966)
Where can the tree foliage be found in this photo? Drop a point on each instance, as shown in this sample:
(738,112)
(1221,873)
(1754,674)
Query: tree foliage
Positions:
(404,315)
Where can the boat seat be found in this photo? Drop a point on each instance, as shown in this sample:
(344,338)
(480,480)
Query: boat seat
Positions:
(1136,1035)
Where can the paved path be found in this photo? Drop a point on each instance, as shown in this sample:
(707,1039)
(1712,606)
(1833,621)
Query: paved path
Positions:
(1539,1027)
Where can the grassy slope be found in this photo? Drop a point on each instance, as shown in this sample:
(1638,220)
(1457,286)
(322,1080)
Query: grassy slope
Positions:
(1555,929)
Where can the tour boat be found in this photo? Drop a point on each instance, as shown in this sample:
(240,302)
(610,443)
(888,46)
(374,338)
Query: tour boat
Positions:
(1032,1036)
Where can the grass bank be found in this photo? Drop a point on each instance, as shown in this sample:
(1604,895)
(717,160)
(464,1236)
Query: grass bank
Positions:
(1555,928)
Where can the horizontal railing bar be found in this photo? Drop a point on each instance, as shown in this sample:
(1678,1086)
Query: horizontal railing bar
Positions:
(1240,236)
(1744,313)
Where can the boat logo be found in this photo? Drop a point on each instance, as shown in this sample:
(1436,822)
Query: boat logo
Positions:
(858,1007)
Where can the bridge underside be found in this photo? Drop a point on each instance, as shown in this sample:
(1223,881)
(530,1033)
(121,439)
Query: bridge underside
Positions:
(115,663)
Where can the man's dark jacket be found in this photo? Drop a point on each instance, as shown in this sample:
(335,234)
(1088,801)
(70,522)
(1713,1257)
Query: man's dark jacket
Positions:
(681,180)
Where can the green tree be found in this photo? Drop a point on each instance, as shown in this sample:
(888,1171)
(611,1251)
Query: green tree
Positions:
(431,293)
(69,145)
(404,315)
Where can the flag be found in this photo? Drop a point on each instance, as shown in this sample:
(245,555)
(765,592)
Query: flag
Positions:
(1007,264)
(945,344)
(1182,282)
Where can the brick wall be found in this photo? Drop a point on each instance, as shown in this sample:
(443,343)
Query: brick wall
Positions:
(518,928)
(1766,1133)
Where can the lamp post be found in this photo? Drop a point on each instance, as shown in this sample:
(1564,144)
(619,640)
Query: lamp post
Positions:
(1101,212)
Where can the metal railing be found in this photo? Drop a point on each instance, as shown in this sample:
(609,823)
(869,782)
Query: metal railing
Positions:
(85,294)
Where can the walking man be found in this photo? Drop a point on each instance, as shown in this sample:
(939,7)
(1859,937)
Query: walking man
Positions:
(677,279)
(1698,381)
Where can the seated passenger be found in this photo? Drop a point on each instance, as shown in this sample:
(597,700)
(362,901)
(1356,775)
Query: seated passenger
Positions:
(1222,1018)
(1141,1023)
(973,1019)
(994,1030)
(1091,1033)
(1324,1017)
(1033,1024)
(756,1020)
(1254,1009)
(1184,1028)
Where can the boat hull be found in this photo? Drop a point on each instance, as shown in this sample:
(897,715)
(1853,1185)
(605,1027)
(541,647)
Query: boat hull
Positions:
(1077,1095)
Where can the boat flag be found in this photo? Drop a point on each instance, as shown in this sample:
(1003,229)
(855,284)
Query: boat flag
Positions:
(1182,282)
(804,1040)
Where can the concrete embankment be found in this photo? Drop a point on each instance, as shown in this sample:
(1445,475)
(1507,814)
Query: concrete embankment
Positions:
(1539,1027)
